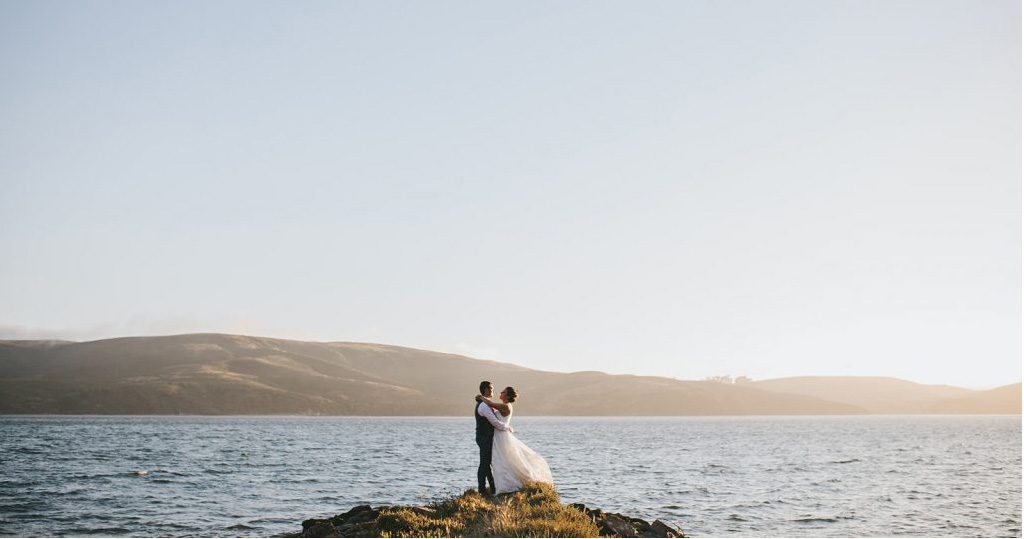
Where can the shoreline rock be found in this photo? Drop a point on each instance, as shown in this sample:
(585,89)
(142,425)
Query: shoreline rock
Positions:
(535,511)
(619,525)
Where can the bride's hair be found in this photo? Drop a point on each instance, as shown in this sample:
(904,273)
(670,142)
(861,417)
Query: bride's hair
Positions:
(510,392)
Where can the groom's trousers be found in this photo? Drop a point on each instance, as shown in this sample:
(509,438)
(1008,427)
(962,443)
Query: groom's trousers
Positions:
(483,473)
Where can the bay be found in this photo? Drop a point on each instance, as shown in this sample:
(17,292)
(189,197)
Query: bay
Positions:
(713,476)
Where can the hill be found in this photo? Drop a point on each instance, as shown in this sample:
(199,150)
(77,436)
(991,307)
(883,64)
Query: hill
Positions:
(875,394)
(1001,400)
(234,374)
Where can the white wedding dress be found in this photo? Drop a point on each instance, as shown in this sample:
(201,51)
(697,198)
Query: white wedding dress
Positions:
(513,464)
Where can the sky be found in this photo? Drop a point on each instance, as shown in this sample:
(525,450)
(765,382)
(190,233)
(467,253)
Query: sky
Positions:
(682,189)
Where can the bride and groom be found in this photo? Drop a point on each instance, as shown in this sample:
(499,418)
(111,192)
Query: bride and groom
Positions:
(505,462)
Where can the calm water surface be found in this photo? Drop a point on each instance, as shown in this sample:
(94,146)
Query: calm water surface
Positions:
(760,476)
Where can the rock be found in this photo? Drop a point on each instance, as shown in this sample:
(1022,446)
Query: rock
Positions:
(616,525)
(356,530)
(322,528)
(362,517)
(579,507)
(660,529)
(362,530)
(355,510)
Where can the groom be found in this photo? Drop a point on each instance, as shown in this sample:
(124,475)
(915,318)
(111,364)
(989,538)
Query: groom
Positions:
(486,422)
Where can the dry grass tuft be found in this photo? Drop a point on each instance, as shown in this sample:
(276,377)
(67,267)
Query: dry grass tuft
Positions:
(536,511)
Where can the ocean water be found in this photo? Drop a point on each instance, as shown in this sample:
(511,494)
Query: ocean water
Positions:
(713,476)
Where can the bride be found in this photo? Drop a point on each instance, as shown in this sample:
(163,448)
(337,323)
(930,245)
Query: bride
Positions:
(512,462)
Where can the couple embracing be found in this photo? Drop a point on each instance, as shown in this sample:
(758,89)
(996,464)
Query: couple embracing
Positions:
(505,462)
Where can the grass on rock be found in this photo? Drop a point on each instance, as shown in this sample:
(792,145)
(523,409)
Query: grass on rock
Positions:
(534,511)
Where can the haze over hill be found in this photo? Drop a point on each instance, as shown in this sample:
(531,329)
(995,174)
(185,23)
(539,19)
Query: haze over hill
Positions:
(233,374)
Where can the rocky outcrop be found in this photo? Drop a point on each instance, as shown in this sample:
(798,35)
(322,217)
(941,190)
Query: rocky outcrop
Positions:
(360,521)
(364,521)
(618,525)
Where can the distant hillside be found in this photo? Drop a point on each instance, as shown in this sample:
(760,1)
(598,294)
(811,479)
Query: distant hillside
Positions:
(232,374)
(877,395)
(1001,400)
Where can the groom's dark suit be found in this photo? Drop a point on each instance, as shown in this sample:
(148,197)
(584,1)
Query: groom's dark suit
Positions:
(484,439)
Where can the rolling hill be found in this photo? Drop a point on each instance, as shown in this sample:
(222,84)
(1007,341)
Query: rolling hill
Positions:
(993,401)
(234,374)
(875,394)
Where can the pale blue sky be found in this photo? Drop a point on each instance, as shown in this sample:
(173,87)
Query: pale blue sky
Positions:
(675,188)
